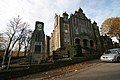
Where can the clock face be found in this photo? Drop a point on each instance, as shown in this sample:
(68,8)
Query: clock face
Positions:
(39,26)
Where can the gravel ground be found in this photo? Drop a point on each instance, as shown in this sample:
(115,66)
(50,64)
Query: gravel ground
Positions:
(59,72)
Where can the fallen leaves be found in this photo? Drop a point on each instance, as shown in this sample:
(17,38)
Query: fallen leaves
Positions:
(59,72)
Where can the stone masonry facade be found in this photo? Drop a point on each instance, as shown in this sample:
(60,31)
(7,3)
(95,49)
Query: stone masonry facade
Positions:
(75,29)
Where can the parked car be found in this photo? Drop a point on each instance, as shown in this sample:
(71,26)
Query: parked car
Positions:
(111,55)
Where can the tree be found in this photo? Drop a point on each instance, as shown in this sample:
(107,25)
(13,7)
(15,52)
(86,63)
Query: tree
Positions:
(111,27)
(15,32)
(26,41)
(20,42)
(2,42)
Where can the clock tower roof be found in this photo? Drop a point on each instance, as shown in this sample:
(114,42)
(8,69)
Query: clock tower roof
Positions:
(39,25)
(38,22)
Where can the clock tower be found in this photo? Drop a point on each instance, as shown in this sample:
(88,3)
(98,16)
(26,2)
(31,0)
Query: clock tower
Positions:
(39,26)
(38,41)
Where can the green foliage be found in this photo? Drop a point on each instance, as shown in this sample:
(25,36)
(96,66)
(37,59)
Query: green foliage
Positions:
(78,50)
(71,50)
(74,50)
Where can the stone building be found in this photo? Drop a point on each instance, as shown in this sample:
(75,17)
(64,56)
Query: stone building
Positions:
(75,29)
(37,47)
(47,45)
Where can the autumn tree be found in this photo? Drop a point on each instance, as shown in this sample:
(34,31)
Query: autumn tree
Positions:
(14,33)
(111,27)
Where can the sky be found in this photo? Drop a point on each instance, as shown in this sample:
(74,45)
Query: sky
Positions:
(44,11)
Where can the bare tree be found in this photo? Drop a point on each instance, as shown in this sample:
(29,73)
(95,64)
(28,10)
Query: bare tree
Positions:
(15,32)
(2,42)
(20,42)
(26,41)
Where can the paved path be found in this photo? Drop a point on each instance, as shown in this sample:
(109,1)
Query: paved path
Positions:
(101,71)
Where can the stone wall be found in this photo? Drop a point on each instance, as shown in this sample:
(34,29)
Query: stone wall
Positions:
(26,70)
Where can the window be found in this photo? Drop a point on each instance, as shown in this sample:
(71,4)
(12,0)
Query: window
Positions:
(91,43)
(77,41)
(65,39)
(37,47)
(36,37)
(75,20)
(76,31)
(85,41)
(66,31)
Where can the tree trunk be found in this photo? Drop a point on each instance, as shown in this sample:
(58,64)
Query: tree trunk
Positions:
(18,52)
(19,49)
(25,52)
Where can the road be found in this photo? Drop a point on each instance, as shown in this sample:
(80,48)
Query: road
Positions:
(90,70)
(101,71)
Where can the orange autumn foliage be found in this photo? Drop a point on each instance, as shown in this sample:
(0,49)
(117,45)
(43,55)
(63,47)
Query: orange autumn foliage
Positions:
(113,26)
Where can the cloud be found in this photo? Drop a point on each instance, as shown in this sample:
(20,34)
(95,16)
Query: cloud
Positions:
(101,8)
(44,10)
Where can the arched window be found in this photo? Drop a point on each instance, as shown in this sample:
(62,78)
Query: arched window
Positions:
(77,41)
(85,42)
(91,43)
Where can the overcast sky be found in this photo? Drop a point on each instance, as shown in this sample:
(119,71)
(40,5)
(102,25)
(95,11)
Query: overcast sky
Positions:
(44,10)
